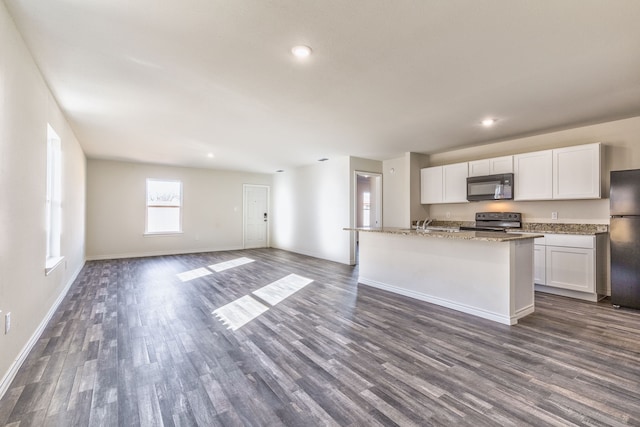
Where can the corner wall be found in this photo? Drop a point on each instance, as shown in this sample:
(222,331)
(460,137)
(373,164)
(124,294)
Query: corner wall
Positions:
(26,106)
(402,190)
(311,207)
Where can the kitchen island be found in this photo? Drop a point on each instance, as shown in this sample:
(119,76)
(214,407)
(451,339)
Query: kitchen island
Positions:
(486,274)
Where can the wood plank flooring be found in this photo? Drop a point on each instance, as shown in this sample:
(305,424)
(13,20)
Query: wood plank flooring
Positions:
(132,344)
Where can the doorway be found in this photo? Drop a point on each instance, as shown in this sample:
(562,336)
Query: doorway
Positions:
(367,203)
(256,216)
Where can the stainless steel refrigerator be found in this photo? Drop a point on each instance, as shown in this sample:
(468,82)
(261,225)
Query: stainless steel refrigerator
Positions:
(625,238)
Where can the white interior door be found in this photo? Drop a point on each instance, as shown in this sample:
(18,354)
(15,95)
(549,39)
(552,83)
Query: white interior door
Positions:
(256,216)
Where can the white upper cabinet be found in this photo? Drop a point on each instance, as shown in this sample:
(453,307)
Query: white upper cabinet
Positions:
(533,175)
(455,182)
(576,172)
(491,166)
(444,184)
(431,185)
(561,173)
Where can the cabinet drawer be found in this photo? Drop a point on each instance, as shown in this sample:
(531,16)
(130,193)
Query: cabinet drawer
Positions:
(537,240)
(570,240)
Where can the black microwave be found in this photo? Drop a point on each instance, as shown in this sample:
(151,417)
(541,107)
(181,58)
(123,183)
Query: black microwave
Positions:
(490,187)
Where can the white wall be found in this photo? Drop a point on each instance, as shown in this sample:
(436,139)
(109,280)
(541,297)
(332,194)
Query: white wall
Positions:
(311,206)
(402,190)
(395,193)
(621,143)
(26,106)
(212,213)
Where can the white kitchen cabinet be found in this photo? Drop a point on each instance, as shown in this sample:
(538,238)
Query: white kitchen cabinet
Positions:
(444,184)
(455,183)
(431,185)
(571,265)
(492,166)
(576,172)
(570,268)
(533,175)
(539,264)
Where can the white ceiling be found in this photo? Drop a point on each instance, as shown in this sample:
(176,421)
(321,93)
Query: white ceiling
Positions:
(170,81)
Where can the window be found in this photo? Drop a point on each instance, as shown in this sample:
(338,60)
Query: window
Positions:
(164,207)
(54,200)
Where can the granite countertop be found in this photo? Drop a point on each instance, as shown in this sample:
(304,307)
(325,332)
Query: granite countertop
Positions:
(488,236)
(555,228)
(542,228)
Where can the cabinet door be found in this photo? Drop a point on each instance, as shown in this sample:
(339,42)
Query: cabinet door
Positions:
(455,182)
(501,165)
(431,185)
(576,172)
(571,268)
(480,167)
(533,174)
(539,264)
(491,166)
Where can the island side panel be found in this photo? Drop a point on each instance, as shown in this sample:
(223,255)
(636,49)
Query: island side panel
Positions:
(472,276)
(522,278)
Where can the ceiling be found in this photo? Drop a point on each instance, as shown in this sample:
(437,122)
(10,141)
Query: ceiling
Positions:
(171,81)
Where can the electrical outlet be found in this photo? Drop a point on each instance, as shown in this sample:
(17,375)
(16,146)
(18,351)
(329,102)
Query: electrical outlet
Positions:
(554,215)
(7,323)
(448,214)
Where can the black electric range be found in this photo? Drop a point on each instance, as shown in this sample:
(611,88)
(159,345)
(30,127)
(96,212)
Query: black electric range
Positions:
(496,221)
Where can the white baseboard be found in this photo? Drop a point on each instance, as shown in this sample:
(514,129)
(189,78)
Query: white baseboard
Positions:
(585,296)
(315,255)
(160,253)
(22,356)
(496,317)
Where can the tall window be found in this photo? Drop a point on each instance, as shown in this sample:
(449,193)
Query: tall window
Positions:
(164,206)
(54,198)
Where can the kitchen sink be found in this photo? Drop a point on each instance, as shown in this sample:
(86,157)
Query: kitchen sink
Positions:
(433,229)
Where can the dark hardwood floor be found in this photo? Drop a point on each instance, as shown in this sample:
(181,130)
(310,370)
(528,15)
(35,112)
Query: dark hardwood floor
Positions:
(132,344)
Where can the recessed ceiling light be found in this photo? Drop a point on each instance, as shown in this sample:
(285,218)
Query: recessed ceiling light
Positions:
(280,170)
(324,159)
(301,51)
(210,155)
(489,122)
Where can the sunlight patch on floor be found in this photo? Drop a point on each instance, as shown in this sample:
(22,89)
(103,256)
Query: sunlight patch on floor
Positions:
(193,274)
(243,310)
(282,289)
(240,312)
(230,264)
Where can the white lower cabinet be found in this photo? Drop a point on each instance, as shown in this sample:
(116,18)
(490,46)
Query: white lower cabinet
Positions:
(571,265)
(570,268)
(539,264)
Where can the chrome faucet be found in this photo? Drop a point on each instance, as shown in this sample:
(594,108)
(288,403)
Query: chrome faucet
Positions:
(426,223)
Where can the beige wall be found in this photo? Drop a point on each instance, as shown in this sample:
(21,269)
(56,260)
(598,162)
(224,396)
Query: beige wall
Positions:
(26,106)
(621,150)
(212,213)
